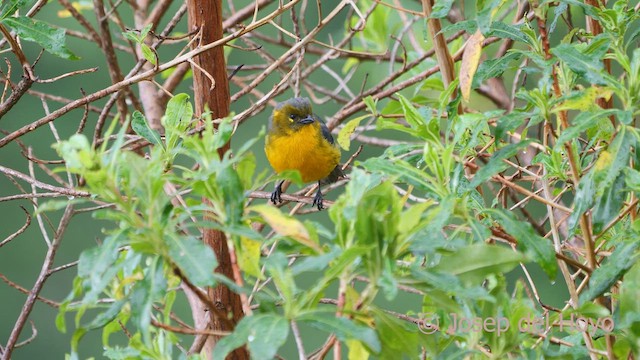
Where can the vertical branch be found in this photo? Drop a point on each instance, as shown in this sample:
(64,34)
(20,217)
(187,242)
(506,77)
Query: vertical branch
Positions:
(109,53)
(440,46)
(152,104)
(205,17)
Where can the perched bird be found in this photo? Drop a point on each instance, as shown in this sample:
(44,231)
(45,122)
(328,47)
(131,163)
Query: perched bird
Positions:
(298,140)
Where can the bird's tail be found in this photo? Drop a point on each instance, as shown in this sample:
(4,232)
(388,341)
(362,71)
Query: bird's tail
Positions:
(335,175)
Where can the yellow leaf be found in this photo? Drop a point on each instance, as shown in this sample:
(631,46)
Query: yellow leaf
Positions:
(357,351)
(470,62)
(249,259)
(585,100)
(344,136)
(603,161)
(76,5)
(286,225)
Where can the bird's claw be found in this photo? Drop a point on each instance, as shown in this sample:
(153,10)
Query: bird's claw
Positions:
(317,200)
(276,197)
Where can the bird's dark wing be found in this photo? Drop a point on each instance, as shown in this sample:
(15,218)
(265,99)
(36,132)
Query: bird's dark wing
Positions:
(335,175)
(325,130)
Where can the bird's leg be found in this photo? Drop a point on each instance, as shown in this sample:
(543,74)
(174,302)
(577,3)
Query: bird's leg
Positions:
(275,195)
(317,200)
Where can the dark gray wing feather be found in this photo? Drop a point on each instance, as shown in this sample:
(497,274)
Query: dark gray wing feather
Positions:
(325,130)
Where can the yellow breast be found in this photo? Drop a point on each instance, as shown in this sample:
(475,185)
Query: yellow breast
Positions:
(304,150)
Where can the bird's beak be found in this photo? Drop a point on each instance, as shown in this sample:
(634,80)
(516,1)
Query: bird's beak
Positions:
(307,120)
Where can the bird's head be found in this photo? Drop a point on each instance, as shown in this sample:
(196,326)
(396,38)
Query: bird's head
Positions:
(292,114)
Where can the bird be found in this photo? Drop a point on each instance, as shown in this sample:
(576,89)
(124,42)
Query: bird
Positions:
(297,139)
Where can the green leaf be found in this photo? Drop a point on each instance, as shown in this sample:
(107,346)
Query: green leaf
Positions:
(152,286)
(141,127)
(612,269)
(441,8)
(485,11)
(400,339)
(106,316)
(344,136)
(557,12)
(506,31)
(194,258)
(628,311)
(584,199)
(493,68)
(405,172)
(9,7)
(535,246)
(588,66)
(264,334)
(580,124)
(96,265)
(232,193)
(496,164)
(179,110)
(609,204)
(246,168)
(510,122)
(468,26)
(345,329)
(421,121)
(371,104)
(223,133)
(473,263)
(45,35)
(314,263)
(149,54)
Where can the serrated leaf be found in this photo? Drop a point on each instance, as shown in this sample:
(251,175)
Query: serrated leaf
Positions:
(9,7)
(603,277)
(473,263)
(496,163)
(141,127)
(45,35)
(194,258)
(583,200)
(493,68)
(608,205)
(405,172)
(506,31)
(441,9)
(579,124)
(106,316)
(584,100)
(535,246)
(585,65)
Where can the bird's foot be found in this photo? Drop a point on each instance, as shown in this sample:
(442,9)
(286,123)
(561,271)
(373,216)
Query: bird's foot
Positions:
(276,194)
(317,200)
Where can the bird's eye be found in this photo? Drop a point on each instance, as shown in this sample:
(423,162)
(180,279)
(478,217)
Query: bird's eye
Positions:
(292,117)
